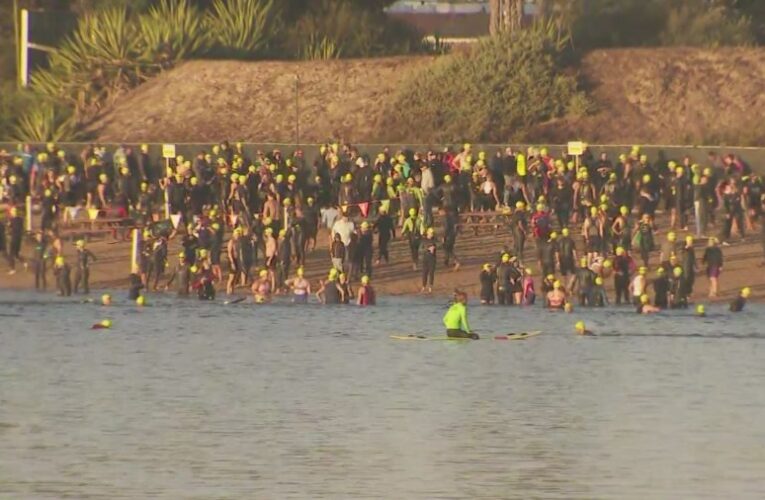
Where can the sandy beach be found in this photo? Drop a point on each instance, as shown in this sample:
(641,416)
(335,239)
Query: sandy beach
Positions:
(743,265)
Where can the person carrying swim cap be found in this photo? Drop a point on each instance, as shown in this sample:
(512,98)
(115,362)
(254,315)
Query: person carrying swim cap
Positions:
(456,318)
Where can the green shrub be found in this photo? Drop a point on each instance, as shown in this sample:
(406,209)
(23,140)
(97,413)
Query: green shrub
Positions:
(332,29)
(243,28)
(503,86)
(171,31)
(45,122)
(690,25)
(100,59)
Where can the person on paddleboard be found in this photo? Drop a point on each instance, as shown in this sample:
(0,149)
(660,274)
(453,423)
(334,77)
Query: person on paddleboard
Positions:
(455,319)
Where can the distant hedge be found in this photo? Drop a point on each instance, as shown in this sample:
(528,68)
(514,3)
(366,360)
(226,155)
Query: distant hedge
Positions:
(492,93)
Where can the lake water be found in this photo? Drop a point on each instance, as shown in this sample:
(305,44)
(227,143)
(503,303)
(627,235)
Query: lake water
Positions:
(184,399)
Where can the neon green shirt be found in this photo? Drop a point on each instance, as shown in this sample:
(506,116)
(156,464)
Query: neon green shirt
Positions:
(456,318)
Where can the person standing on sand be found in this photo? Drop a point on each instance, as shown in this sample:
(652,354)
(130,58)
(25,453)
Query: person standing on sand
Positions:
(429,261)
(713,258)
(82,271)
(16,230)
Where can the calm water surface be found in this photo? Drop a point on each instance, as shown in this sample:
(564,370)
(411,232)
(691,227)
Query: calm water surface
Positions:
(190,400)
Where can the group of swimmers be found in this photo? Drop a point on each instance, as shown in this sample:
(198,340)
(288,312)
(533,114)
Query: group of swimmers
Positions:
(273,204)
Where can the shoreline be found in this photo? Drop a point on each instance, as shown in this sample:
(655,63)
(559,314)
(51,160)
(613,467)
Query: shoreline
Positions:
(744,266)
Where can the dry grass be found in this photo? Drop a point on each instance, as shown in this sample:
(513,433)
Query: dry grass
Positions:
(659,96)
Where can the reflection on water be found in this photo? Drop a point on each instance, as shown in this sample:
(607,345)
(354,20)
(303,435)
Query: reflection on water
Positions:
(191,400)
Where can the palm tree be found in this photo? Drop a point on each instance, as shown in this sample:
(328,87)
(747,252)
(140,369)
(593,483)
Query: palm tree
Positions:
(506,15)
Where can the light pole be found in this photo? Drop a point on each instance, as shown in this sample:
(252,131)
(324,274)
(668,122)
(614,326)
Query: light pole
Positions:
(297,110)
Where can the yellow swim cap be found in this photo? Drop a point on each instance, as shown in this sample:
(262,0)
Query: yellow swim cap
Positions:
(365,280)
(107,323)
(141,300)
(644,299)
(106,299)
(579,326)
(746,292)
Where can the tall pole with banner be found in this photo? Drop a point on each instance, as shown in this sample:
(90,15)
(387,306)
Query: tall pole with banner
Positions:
(168,152)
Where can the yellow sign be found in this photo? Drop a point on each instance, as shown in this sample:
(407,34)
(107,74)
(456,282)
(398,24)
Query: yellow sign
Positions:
(576,148)
(168,151)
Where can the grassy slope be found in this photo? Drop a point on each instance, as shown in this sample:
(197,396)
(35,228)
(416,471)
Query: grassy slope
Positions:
(655,96)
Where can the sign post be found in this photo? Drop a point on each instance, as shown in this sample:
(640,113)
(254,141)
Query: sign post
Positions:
(576,149)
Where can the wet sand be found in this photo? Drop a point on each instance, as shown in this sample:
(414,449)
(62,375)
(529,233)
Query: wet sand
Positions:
(743,265)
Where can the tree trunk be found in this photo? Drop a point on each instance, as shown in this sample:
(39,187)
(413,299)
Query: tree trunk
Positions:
(494,17)
(506,15)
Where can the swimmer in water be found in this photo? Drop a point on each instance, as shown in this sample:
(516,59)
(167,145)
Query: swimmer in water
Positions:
(366,294)
(645,306)
(581,329)
(330,292)
(301,287)
(261,288)
(737,305)
(556,299)
(701,311)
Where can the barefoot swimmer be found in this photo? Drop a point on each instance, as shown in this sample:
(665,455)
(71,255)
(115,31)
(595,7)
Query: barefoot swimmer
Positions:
(455,319)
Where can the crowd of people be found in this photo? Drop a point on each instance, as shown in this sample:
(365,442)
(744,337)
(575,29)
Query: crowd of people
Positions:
(248,218)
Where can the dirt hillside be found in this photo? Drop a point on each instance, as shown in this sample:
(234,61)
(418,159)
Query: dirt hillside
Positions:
(207,101)
(657,96)
(670,96)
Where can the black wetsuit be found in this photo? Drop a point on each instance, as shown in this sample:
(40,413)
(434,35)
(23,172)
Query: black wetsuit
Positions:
(331,293)
(737,304)
(504,287)
(63,280)
(82,271)
(16,226)
(487,279)
(365,251)
(183,274)
(40,256)
(661,291)
(622,278)
(566,255)
(547,253)
(428,262)
(585,279)
(135,287)
(386,231)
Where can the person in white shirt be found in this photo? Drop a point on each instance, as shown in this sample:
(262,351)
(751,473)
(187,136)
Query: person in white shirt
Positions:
(344,228)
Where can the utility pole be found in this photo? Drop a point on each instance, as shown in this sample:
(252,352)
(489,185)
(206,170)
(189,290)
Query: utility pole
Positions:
(16,40)
(297,110)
